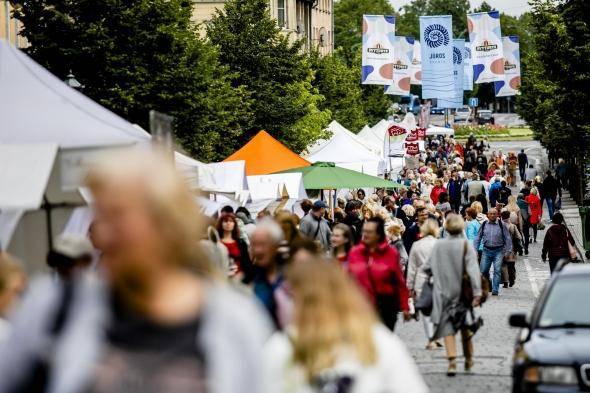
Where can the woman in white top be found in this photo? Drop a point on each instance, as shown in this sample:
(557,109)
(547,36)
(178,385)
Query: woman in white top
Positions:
(336,342)
(416,277)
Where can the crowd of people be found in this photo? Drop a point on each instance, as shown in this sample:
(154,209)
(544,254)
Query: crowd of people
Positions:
(276,302)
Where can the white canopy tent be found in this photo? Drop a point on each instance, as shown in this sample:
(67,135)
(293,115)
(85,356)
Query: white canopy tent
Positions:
(278,191)
(38,109)
(375,135)
(437,130)
(336,129)
(198,174)
(346,151)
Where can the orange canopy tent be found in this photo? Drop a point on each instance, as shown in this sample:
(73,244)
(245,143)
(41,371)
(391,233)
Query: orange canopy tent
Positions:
(265,155)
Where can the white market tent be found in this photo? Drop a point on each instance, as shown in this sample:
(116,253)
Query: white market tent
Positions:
(436,130)
(375,136)
(336,128)
(198,174)
(47,128)
(346,150)
(281,191)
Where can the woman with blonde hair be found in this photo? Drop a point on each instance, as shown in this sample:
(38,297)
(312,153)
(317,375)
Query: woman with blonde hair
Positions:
(155,317)
(449,259)
(335,342)
(416,277)
(395,229)
(478,207)
(12,285)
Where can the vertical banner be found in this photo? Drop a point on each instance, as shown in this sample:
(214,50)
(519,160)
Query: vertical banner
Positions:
(378,42)
(416,67)
(468,69)
(457,100)
(486,46)
(403,51)
(437,57)
(511,83)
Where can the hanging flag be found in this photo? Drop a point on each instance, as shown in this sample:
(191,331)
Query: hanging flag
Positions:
(468,69)
(416,67)
(403,51)
(437,57)
(486,46)
(457,100)
(377,57)
(511,84)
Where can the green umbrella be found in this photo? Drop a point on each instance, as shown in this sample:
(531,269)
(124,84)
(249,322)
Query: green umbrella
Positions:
(327,176)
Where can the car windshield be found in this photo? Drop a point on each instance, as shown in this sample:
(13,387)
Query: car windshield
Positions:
(567,304)
(485,114)
(464,110)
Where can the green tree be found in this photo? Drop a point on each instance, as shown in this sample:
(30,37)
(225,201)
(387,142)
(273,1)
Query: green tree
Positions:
(555,99)
(133,56)
(275,71)
(340,86)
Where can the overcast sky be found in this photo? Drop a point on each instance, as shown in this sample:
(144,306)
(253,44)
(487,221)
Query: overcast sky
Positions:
(511,7)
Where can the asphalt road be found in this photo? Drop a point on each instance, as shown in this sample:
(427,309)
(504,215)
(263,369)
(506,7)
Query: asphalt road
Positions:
(495,341)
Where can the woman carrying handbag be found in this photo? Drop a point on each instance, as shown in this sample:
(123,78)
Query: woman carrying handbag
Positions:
(453,261)
(558,243)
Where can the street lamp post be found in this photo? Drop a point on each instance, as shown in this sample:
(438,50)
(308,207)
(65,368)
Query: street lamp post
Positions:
(73,82)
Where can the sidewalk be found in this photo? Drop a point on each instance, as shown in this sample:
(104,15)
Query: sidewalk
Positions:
(571,214)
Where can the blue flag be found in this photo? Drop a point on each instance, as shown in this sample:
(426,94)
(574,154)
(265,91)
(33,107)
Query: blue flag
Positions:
(459,65)
(437,57)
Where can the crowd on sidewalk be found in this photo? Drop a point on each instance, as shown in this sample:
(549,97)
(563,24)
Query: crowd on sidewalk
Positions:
(276,302)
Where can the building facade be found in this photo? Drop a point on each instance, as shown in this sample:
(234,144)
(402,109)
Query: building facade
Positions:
(310,20)
(9,26)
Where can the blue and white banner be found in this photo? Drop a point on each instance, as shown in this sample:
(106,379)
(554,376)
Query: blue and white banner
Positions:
(416,67)
(468,69)
(378,42)
(459,66)
(511,84)
(402,61)
(486,46)
(437,57)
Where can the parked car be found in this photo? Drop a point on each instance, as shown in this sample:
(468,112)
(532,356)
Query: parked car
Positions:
(552,351)
(462,115)
(437,111)
(484,116)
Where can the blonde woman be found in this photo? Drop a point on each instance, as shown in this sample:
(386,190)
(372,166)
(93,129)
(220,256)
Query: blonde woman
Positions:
(478,207)
(12,285)
(416,277)
(395,229)
(171,327)
(336,342)
(515,215)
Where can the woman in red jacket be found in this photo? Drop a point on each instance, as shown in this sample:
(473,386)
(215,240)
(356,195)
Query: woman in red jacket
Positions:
(375,266)
(536,210)
(436,191)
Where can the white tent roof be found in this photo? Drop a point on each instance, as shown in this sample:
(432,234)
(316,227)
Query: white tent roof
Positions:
(342,147)
(436,130)
(198,174)
(24,173)
(229,176)
(37,107)
(274,186)
(338,129)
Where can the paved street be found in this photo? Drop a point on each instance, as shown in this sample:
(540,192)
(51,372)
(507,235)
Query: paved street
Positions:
(494,342)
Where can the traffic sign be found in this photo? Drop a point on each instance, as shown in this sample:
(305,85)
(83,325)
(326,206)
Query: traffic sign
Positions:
(473,102)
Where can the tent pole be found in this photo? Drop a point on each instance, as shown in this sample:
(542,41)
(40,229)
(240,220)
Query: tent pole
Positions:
(48,223)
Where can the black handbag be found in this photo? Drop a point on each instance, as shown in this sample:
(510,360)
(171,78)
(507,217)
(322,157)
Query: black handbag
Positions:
(424,302)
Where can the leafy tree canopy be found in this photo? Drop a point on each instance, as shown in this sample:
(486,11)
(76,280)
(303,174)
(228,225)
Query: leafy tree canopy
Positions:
(136,56)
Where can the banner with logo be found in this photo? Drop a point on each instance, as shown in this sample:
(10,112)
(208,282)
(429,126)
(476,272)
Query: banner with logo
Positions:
(486,46)
(403,51)
(511,83)
(378,42)
(437,57)
(416,67)
(468,69)
(459,66)
(395,139)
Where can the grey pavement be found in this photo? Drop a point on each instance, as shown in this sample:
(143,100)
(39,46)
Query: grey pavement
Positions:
(495,341)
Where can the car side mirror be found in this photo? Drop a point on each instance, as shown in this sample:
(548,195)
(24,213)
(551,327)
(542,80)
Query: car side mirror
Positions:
(518,320)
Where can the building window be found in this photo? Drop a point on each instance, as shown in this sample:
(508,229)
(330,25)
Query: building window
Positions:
(281,13)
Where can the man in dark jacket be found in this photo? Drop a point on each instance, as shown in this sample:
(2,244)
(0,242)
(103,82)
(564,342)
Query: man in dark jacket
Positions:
(523,161)
(353,220)
(454,189)
(550,190)
(504,193)
(412,233)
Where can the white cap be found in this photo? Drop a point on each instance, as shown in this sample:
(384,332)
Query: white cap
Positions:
(73,246)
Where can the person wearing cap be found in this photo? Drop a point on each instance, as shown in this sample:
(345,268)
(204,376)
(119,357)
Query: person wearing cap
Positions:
(70,253)
(315,226)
